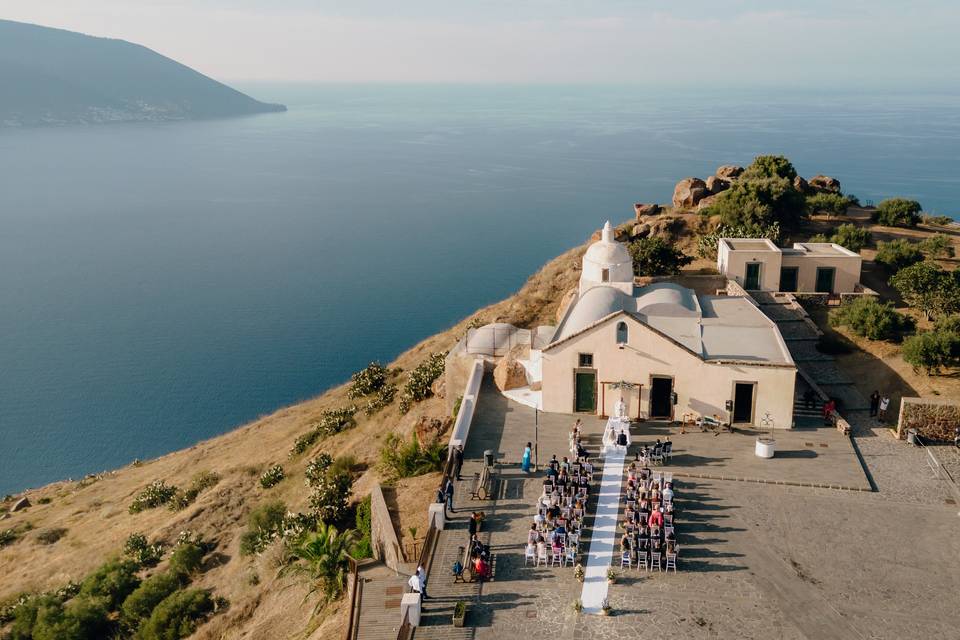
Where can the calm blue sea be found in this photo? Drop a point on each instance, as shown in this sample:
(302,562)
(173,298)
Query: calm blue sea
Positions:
(162,283)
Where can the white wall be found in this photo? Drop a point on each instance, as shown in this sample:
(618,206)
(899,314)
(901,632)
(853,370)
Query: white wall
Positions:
(847,271)
(733,264)
(702,387)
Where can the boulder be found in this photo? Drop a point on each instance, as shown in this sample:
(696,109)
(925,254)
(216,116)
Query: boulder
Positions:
(429,429)
(666,228)
(509,374)
(801,185)
(439,387)
(729,171)
(641,230)
(825,183)
(706,202)
(716,184)
(642,209)
(689,192)
(20,504)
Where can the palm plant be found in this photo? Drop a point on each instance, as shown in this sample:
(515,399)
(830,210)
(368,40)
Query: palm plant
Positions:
(321,559)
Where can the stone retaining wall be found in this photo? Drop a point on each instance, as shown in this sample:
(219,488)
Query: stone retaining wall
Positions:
(383,537)
(933,418)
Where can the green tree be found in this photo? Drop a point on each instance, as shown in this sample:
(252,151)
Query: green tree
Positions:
(363,548)
(930,351)
(897,254)
(869,318)
(895,212)
(761,202)
(82,618)
(186,559)
(770,167)
(654,256)
(832,204)
(937,246)
(928,288)
(851,236)
(177,616)
(322,560)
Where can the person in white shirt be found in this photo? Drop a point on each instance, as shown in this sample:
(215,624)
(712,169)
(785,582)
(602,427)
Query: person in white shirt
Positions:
(884,403)
(418,582)
(668,494)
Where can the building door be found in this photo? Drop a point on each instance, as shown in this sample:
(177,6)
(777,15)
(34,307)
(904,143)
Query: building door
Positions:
(743,402)
(585,384)
(825,276)
(660,391)
(788,279)
(752,280)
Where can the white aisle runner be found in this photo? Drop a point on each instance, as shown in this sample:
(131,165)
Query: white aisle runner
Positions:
(604,535)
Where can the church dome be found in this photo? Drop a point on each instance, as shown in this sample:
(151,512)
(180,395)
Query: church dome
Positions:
(606,261)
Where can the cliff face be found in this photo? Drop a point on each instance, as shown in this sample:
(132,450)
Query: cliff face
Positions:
(51,76)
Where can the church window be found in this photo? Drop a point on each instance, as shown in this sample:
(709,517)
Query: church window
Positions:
(605,275)
(622,333)
(586,359)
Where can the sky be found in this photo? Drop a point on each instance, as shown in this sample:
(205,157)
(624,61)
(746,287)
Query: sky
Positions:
(877,43)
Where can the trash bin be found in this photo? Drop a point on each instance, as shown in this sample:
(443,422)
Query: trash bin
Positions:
(488,458)
(912,437)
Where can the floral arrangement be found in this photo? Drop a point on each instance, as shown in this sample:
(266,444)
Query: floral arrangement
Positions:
(579,573)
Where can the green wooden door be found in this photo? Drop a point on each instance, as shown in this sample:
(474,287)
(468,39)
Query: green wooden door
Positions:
(788,279)
(825,277)
(752,279)
(586,392)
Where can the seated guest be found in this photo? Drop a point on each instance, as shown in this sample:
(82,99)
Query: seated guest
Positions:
(625,543)
(481,568)
(655,519)
(532,534)
(671,535)
(668,492)
(671,547)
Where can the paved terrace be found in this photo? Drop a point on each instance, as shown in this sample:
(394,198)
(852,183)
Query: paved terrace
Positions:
(757,559)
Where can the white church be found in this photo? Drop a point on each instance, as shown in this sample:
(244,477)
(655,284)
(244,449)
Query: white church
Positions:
(662,349)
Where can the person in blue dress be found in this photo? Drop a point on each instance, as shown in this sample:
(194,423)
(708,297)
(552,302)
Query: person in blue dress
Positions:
(525,463)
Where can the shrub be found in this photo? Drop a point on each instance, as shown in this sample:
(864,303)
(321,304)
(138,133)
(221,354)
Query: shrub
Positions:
(317,468)
(707,242)
(330,496)
(139,550)
(937,246)
(930,350)
(8,536)
(271,477)
(263,525)
(27,610)
(895,212)
(654,256)
(402,459)
(363,547)
(761,202)
(770,167)
(832,204)
(200,482)
(177,615)
(820,237)
(113,581)
(331,421)
(140,604)
(383,397)
(941,221)
(83,618)
(867,317)
(368,380)
(929,288)
(851,236)
(897,254)
(157,493)
(417,386)
(322,560)
(186,559)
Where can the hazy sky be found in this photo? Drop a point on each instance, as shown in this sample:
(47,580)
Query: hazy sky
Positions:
(696,42)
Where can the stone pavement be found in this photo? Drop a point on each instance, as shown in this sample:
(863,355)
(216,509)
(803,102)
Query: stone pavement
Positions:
(380,602)
(756,560)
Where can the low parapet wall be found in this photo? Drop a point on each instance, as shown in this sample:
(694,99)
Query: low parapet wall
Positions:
(383,537)
(471,392)
(933,418)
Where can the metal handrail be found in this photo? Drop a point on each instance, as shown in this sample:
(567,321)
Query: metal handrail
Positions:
(353,618)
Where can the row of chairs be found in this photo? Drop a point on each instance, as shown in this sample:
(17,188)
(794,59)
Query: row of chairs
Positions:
(559,556)
(649,561)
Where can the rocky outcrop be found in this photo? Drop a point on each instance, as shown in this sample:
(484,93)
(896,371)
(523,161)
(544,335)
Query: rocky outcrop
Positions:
(689,192)
(430,429)
(663,227)
(706,202)
(439,387)
(801,185)
(716,184)
(825,184)
(509,374)
(20,504)
(642,209)
(729,171)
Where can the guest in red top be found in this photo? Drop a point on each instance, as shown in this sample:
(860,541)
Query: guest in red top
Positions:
(656,519)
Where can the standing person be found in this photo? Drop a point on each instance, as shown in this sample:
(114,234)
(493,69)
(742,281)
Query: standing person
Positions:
(525,462)
(874,403)
(884,405)
(457,461)
(448,494)
(418,583)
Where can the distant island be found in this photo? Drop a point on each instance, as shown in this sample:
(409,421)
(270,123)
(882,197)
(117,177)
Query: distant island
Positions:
(51,76)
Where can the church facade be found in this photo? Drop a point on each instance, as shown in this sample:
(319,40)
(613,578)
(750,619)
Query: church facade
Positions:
(663,350)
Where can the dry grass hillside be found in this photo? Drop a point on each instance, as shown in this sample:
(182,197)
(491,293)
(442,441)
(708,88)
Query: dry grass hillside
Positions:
(94,512)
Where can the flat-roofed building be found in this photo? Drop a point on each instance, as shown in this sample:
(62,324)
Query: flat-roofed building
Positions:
(757,264)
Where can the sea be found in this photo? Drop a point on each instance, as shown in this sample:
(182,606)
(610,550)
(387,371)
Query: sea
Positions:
(163,283)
